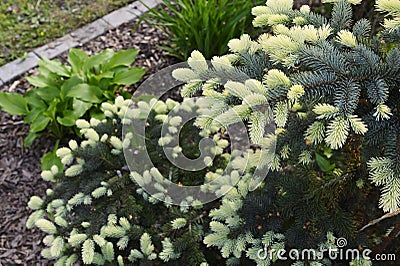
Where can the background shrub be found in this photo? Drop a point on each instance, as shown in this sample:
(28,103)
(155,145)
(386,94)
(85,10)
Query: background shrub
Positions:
(205,25)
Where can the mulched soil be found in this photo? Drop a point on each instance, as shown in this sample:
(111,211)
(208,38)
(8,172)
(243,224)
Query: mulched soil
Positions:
(20,167)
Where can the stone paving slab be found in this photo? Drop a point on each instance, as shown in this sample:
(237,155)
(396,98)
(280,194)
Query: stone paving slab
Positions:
(128,13)
(18,67)
(78,37)
(119,17)
(90,31)
(139,7)
(57,47)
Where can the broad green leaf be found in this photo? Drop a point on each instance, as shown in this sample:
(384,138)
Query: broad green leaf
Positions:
(323,163)
(124,58)
(92,80)
(104,84)
(105,75)
(68,120)
(41,81)
(80,107)
(39,123)
(96,114)
(56,66)
(109,95)
(34,101)
(86,92)
(69,84)
(76,59)
(33,114)
(48,94)
(119,68)
(97,60)
(52,109)
(50,159)
(129,77)
(13,103)
(30,139)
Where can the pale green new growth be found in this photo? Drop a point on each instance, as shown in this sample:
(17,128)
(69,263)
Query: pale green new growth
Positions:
(88,251)
(178,223)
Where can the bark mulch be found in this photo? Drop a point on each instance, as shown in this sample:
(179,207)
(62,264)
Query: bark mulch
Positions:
(20,167)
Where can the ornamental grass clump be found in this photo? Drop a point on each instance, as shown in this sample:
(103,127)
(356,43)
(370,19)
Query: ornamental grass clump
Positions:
(205,25)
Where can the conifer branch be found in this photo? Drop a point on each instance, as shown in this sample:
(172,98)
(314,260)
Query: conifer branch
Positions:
(375,221)
(333,181)
(337,179)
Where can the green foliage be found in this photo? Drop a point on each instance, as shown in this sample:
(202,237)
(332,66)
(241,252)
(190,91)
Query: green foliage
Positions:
(14,103)
(62,94)
(323,163)
(203,25)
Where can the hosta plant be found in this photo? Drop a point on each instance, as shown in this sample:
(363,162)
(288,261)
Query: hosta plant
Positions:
(62,94)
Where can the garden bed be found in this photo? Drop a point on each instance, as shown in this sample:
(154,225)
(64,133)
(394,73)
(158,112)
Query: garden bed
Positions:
(28,24)
(20,167)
